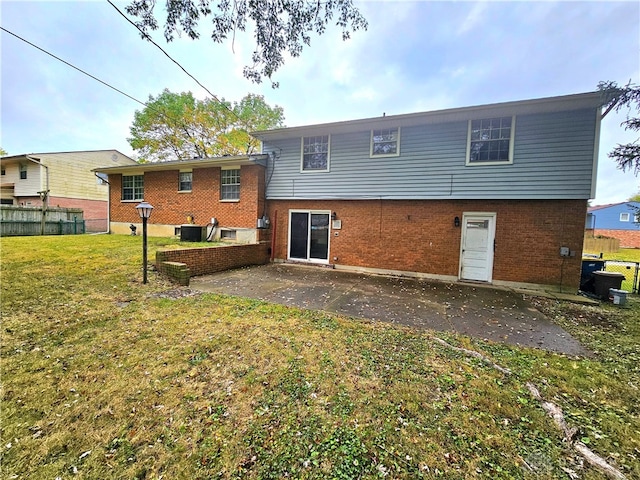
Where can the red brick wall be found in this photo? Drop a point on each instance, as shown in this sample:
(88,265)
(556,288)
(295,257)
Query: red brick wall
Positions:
(203,261)
(628,238)
(202,203)
(420,236)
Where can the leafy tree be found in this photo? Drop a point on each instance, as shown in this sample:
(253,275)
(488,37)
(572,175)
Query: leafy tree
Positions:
(176,126)
(634,198)
(280,26)
(3,152)
(616,98)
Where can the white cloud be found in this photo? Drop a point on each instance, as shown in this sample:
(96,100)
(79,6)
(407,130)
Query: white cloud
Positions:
(415,56)
(475,18)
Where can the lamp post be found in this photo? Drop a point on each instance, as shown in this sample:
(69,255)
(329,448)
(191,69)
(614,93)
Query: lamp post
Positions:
(144,210)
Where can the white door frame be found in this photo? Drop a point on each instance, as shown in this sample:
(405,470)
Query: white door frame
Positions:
(309,259)
(491,216)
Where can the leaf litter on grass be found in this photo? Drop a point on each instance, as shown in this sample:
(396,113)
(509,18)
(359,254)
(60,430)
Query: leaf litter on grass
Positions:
(155,381)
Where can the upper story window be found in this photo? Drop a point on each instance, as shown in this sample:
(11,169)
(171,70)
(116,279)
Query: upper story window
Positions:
(315,154)
(624,217)
(2,171)
(184,181)
(490,140)
(101,178)
(132,187)
(230,184)
(23,172)
(385,142)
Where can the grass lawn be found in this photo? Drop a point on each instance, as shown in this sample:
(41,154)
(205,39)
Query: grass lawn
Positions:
(106,378)
(622,255)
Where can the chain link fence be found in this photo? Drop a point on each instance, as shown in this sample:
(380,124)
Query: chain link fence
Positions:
(628,269)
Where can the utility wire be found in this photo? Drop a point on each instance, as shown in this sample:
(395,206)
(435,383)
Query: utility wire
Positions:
(146,36)
(175,121)
(73,66)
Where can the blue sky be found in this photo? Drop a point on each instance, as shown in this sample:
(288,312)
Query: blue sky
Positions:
(415,56)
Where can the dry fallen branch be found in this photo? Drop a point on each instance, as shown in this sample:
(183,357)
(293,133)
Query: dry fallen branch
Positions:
(477,355)
(592,458)
(554,412)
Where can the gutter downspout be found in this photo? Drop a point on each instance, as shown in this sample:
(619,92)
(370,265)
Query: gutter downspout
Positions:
(108,203)
(44,194)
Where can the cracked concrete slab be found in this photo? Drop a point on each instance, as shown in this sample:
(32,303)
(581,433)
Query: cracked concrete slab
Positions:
(499,315)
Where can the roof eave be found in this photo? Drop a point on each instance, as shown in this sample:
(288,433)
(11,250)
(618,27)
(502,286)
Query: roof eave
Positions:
(549,104)
(186,164)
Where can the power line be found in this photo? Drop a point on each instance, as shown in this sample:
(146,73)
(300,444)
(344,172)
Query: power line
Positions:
(146,36)
(73,66)
(175,121)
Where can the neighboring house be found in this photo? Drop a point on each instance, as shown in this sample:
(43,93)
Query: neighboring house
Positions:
(617,220)
(493,193)
(66,176)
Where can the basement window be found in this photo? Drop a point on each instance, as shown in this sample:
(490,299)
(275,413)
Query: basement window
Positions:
(227,234)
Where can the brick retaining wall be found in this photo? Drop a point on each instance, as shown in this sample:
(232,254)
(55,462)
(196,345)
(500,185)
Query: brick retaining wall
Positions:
(203,261)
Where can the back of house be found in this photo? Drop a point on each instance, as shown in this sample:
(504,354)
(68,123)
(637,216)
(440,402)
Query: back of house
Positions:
(494,193)
(491,194)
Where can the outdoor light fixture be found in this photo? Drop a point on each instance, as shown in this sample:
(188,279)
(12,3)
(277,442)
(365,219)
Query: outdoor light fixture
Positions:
(144,210)
(456,222)
(334,216)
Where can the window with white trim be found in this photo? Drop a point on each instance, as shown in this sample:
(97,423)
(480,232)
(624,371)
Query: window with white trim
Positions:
(185,180)
(101,178)
(490,140)
(624,217)
(132,187)
(315,154)
(23,172)
(230,184)
(385,142)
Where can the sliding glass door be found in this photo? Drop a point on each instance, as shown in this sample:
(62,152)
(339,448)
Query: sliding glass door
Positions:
(309,235)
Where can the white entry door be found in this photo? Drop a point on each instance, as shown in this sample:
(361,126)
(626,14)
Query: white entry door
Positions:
(476,249)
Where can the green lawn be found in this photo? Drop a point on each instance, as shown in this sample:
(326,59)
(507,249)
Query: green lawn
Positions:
(623,255)
(104,377)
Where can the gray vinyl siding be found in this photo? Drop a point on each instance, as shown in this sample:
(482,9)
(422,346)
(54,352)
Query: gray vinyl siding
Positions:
(553,159)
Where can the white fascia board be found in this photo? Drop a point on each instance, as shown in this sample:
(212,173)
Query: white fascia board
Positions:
(523,107)
(186,164)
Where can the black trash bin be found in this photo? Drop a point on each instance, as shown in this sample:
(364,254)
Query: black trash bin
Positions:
(606,280)
(589,266)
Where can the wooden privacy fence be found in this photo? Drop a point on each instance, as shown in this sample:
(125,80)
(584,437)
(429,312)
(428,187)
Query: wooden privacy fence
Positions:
(28,221)
(601,244)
